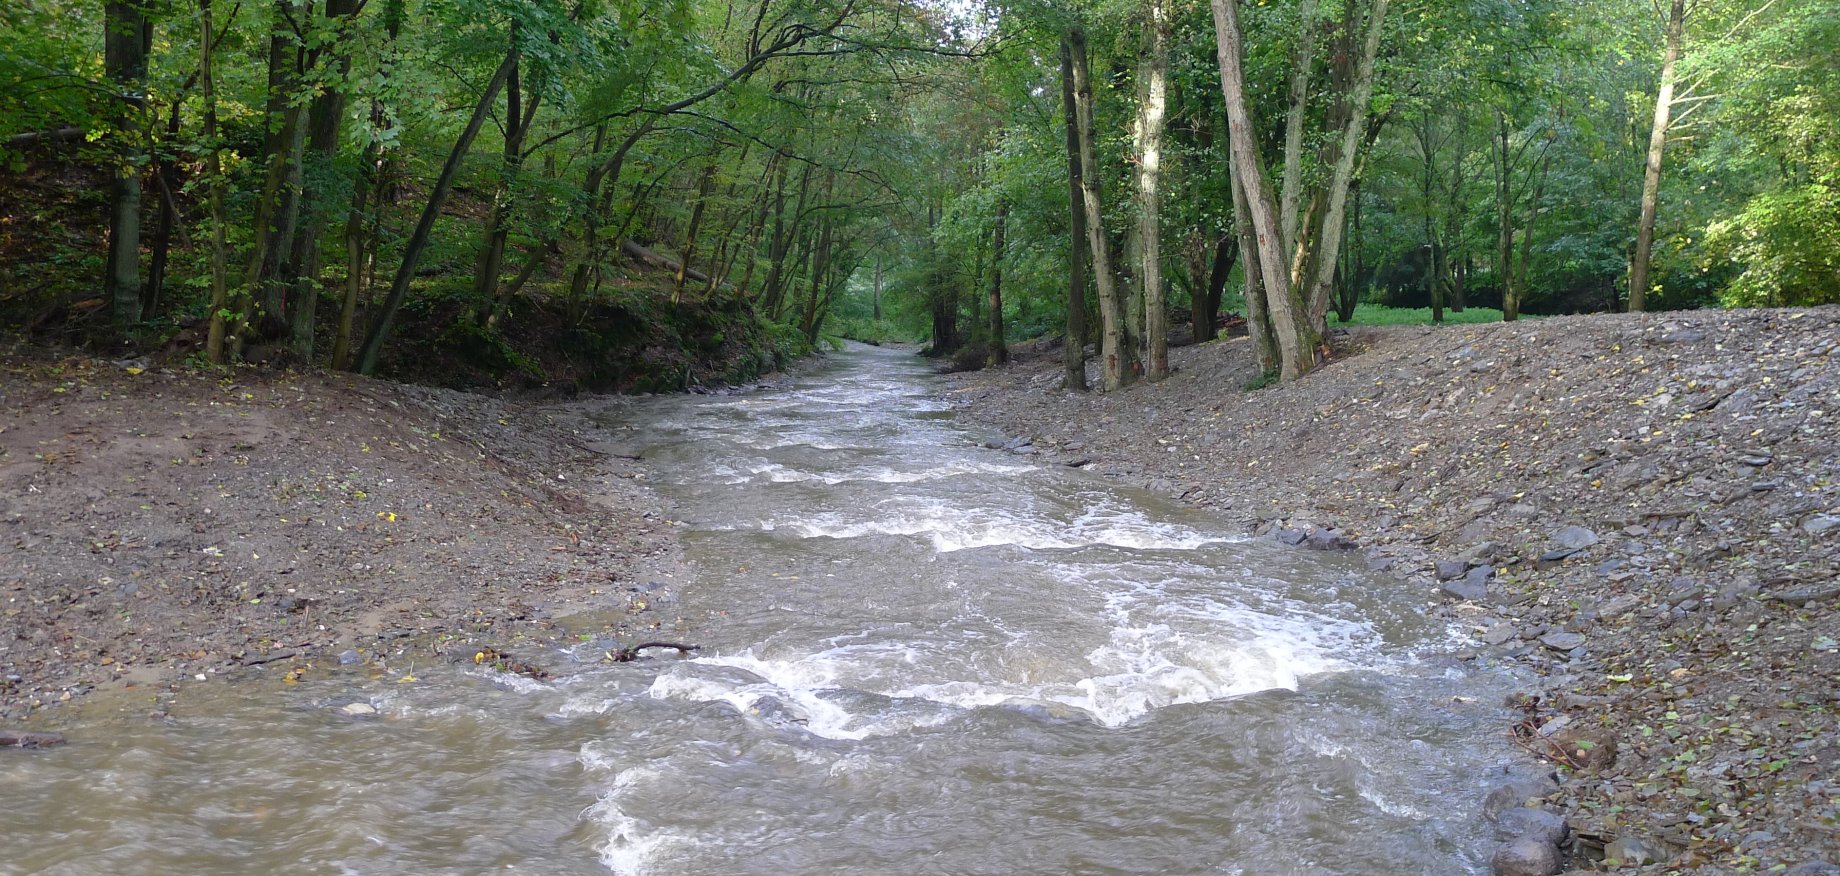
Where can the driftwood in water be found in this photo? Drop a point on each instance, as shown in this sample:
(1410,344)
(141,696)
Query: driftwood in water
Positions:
(627,655)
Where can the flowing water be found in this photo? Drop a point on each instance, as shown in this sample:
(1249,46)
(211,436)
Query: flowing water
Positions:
(921,657)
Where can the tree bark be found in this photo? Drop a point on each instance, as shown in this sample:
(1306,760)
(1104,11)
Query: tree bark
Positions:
(703,190)
(1073,352)
(1651,172)
(1504,221)
(126,42)
(371,173)
(418,240)
(518,118)
(1115,352)
(1290,192)
(207,78)
(1289,322)
(998,348)
(1151,120)
(323,122)
(1328,242)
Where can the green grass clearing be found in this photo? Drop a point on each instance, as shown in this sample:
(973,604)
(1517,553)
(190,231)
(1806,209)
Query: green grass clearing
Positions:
(1375,314)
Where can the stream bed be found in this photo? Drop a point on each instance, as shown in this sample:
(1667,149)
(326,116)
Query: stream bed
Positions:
(920,656)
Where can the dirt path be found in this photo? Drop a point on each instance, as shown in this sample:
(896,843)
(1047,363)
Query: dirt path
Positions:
(162,526)
(1644,509)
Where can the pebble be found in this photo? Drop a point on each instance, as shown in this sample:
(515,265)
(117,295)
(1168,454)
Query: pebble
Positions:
(1466,590)
(1499,634)
(1820,523)
(356,710)
(1813,868)
(1630,851)
(350,657)
(1560,640)
(1448,569)
(1576,538)
(1617,606)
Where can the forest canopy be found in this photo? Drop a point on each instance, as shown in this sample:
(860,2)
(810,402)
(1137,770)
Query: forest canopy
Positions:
(644,195)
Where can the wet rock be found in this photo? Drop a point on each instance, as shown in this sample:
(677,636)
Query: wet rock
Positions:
(350,657)
(1516,792)
(1328,540)
(1448,569)
(30,739)
(1561,640)
(358,710)
(1547,827)
(1525,856)
(1292,537)
(1629,851)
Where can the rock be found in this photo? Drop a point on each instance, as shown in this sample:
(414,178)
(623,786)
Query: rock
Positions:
(1547,827)
(1499,634)
(1554,557)
(1480,576)
(1292,537)
(1683,336)
(1803,595)
(1576,538)
(357,710)
(1328,540)
(1617,606)
(1478,553)
(1516,792)
(350,657)
(1448,569)
(1813,868)
(1629,851)
(1560,640)
(1465,589)
(1525,856)
(1820,523)
(30,739)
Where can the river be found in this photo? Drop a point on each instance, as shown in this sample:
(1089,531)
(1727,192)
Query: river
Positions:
(921,656)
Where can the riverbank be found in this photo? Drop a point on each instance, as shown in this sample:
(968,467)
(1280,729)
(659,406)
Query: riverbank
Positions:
(1643,509)
(167,527)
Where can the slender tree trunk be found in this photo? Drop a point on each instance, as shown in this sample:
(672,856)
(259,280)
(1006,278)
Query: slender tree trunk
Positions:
(371,173)
(418,240)
(1152,118)
(1290,192)
(207,78)
(126,42)
(703,190)
(1328,242)
(1504,221)
(323,122)
(1115,352)
(999,349)
(1073,354)
(878,287)
(1651,173)
(1289,321)
(518,118)
(167,176)
(1258,309)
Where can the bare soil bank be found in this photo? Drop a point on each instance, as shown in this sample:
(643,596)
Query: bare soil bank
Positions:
(1644,509)
(163,525)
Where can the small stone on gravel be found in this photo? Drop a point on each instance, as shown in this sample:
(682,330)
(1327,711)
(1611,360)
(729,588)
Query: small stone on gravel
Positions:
(1629,851)
(1526,856)
(1560,640)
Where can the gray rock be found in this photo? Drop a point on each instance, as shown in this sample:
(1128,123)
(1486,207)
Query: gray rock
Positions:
(1448,569)
(1525,856)
(30,739)
(1576,538)
(1478,553)
(1560,640)
(1547,827)
(1292,537)
(1683,336)
(1813,868)
(358,710)
(1516,792)
(1820,523)
(350,658)
(1465,589)
(1480,575)
(1618,606)
(1555,556)
(1628,850)
(1499,634)
(1803,595)
(1328,540)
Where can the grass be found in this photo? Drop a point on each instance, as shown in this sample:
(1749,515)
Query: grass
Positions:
(1375,314)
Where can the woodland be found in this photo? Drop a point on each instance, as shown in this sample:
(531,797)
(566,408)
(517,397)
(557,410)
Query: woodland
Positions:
(649,195)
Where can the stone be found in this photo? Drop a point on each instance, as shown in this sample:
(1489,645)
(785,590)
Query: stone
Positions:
(1576,538)
(1448,569)
(1465,590)
(1516,792)
(1480,576)
(350,657)
(1328,540)
(1560,640)
(1683,336)
(1525,856)
(357,710)
(1820,523)
(1292,537)
(1498,635)
(1629,851)
(30,739)
(1617,606)
(1813,868)
(1520,821)
(1477,554)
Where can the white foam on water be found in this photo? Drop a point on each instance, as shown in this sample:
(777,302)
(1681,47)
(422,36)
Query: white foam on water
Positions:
(800,686)
(956,529)
(629,850)
(780,474)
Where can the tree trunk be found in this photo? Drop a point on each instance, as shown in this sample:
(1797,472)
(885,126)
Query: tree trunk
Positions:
(127,39)
(1151,115)
(207,78)
(1115,352)
(1651,173)
(518,119)
(323,122)
(998,348)
(370,177)
(878,288)
(278,210)
(418,240)
(1073,352)
(1289,321)
(1328,241)
(1258,310)
(703,190)
(1504,221)
(1290,192)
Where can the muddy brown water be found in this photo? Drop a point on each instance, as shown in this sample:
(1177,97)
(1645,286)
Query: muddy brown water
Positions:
(923,656)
